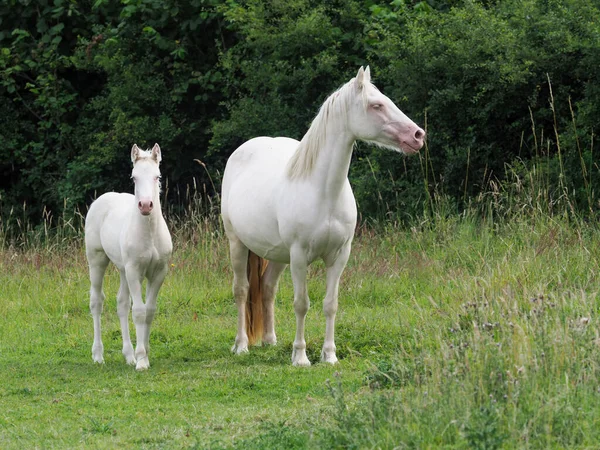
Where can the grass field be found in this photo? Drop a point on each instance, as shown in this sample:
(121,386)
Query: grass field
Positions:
(457,332)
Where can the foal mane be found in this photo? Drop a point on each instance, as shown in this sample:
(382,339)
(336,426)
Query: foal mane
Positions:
(336,107)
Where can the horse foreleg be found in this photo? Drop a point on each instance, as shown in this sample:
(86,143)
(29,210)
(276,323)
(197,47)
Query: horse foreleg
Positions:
(134,281)
(123,307)
(298,268)
(97,267)
(330,304)
(270,283)
(152,289)
(239,263)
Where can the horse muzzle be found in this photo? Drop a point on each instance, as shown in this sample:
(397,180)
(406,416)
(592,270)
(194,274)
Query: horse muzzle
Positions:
(145,207)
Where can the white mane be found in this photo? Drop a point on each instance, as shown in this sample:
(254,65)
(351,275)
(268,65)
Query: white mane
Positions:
(144,154)
(336,107)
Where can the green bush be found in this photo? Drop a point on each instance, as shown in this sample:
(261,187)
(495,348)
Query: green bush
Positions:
(289,56)
(485,77)
(83,82)
(493,82)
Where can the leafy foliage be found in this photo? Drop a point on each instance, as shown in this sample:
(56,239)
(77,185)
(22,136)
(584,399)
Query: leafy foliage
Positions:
(85,82)
(492,81)
(294,53)
(481,75)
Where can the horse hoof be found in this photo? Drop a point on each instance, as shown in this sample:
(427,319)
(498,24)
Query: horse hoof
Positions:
(328,354)
(330,359)
(301,363)
(238,349)
(269,340)
(142,364)
(98,353)
(299,358)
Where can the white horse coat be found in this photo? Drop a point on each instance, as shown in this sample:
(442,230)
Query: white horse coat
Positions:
(130,231)
(290,202)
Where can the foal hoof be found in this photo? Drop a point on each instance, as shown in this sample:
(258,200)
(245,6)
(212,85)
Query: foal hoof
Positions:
(129,356)
(98,353)
(142,364)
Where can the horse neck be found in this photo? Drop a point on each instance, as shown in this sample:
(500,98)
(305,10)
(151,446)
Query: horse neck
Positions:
(333,161)
(149,225)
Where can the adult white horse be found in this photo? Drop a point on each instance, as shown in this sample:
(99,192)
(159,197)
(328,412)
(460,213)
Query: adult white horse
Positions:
(130,231)
(290,202)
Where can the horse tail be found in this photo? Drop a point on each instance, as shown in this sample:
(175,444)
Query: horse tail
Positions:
(254,304)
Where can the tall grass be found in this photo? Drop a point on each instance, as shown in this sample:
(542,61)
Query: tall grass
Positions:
(18,232)
(504,355)
(469,329)
(508,356)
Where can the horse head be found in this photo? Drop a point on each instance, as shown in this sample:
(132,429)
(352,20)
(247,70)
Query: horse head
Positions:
(146,176)
(376,119)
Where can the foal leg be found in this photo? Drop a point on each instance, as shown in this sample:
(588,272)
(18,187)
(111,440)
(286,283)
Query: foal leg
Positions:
(330,304)
(98,261)
(134,281)
(270,283)
(123,307)
(298,268)
(152,289)
(239,262)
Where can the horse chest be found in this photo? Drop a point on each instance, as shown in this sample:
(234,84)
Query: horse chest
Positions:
(147,257)
(328,238)
(322,230)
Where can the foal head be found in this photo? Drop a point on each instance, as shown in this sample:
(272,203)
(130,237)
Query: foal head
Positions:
(146,176)
(374,118)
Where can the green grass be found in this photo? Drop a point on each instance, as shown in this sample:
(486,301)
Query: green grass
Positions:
(455,333)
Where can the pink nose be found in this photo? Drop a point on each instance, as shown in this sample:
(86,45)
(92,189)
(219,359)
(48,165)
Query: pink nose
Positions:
(419,138)
(145,207)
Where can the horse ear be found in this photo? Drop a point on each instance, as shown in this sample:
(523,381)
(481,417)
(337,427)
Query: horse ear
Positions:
(367,78)
(360,76)
(135,153)
(156,155)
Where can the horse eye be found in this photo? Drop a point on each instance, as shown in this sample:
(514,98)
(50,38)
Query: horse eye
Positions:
(377,106)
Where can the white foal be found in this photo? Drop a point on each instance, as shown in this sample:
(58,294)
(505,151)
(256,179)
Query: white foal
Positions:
(290,202)
(130,231)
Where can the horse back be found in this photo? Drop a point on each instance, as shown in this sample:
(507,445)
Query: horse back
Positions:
(104,221)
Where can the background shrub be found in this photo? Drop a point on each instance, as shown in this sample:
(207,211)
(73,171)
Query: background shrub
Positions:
(494,83)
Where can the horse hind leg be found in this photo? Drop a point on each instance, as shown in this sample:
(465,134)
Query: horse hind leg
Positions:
(98,261)
(123,308)
(270,282)
(239,262)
